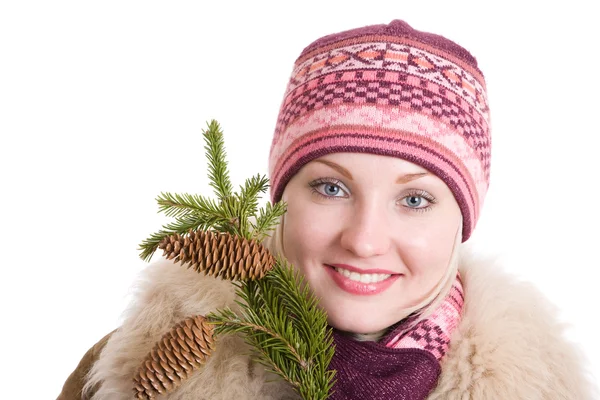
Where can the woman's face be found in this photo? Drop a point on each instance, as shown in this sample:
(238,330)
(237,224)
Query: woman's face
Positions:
(373,236)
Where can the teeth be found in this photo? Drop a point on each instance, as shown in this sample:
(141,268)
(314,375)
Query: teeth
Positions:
(363,278)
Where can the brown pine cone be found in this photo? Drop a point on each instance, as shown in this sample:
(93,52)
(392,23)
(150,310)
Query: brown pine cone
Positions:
(219,254)
(180,351)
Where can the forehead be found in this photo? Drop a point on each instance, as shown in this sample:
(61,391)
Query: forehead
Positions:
(372,170)
(360,161)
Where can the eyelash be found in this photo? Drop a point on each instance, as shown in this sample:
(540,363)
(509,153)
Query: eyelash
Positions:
(332,181)
(321,181)
(423,194)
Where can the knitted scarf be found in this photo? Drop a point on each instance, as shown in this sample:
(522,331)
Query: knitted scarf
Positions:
(405,363)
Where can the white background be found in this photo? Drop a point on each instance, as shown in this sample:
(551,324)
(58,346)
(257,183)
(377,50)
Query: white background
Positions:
(101,109)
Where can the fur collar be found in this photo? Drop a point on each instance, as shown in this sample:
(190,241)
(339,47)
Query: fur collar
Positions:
(509,344)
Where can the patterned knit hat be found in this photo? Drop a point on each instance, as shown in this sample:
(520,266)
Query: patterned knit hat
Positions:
(394,91)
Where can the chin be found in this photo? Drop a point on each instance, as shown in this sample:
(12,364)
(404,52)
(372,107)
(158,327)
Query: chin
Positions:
(354,325)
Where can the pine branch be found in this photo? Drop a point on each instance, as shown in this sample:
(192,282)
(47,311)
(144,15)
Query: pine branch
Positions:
(224,217)
(181,225)
(231,210)
(268,219)
(227,322)
(279,316)
(300,308)
(179,205)
(315,345)
(217,164)
(248,196)
(232,324)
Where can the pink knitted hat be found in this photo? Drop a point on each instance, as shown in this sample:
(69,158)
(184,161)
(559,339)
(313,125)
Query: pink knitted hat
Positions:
(394,91)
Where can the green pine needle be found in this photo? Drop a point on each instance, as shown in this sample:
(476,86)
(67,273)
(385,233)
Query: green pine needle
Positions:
(281,319)
(217,165)
(279,316)
(267,219)
(181,225)
(179,205)
(248,196)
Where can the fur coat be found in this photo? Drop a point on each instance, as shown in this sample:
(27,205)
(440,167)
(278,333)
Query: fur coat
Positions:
(509,344)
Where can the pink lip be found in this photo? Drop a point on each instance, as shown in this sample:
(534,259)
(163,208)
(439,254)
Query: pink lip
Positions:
(359,288)
(363,271)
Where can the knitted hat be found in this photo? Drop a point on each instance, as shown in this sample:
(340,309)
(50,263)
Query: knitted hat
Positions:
(394,91)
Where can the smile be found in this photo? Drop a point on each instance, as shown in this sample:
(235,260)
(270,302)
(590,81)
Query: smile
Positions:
(364,278)
(359,283)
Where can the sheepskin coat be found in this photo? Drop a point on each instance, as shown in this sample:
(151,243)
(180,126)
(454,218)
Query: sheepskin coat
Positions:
(509,344)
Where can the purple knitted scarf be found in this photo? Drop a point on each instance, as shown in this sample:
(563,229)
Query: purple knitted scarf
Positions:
(404,364)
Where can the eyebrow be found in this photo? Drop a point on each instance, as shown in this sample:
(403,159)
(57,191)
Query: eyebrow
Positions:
(337,167)
(410,177)
(402,179)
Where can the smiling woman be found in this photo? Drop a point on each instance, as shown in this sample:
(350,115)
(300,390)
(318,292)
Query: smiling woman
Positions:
(373,235)
(382,153)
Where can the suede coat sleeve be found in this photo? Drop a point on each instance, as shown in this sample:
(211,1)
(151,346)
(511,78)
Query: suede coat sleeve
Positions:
(72,389)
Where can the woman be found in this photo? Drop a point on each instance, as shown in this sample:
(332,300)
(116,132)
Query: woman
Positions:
(382,153)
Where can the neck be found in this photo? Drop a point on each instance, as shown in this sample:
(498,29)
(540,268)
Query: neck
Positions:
(367,337)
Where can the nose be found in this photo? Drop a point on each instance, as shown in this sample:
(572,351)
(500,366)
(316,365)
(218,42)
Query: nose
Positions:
(366,232)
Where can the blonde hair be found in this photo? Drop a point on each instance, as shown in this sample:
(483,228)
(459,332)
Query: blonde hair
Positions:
(424,308)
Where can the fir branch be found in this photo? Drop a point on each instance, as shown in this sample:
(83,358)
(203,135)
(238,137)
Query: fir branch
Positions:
(181,225)
(315,345)
(301,307)
(248,196)
(231,210)
(297,300)
(279,316)
(180,205)
(227,322)
(217,164)
(224,217)
(272,347)
(232,324)
(267,219)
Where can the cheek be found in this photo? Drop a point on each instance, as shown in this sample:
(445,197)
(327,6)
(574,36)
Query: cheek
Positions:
(427,251)
(306,233)
(309,232)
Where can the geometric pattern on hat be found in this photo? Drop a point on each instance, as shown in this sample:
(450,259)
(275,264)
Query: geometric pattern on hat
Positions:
(389,90)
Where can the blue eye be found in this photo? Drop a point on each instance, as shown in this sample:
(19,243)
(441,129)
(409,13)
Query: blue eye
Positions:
(328,188)
(331,189)
(414,201)
(418,201)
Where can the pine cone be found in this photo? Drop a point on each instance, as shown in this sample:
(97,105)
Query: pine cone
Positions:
(219,254)
(180,351)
